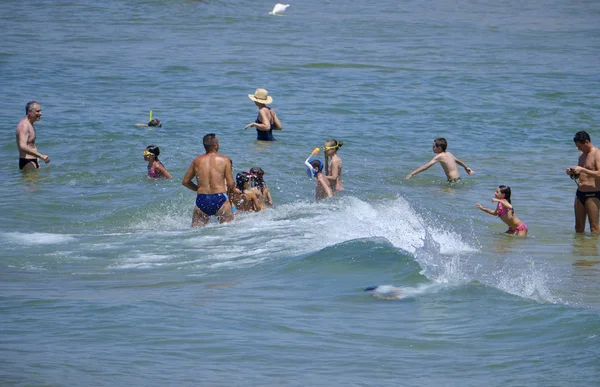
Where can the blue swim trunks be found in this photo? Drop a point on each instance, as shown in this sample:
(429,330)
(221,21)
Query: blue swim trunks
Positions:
(210,203)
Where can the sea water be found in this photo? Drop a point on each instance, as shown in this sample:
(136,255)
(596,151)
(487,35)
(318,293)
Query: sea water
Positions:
(104,282)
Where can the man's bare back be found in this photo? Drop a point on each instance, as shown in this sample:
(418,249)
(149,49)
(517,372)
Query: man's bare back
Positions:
(211,171)
(214,181)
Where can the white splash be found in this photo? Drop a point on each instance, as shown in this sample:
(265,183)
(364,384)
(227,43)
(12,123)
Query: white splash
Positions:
(279,9)
(36,238)
(390,292)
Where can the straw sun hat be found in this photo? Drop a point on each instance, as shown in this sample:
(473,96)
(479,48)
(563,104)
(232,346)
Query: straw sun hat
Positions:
(261,96)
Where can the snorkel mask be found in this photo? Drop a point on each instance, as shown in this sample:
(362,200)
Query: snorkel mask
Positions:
(310,172)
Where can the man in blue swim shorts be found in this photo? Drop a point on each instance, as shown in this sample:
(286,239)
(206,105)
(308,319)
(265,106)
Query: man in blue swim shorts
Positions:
(215,180)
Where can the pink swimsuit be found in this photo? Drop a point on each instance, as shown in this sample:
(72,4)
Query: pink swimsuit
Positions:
(503,212)
(153,173)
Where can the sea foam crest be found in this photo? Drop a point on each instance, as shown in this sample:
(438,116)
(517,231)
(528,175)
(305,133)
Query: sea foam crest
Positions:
(35,238)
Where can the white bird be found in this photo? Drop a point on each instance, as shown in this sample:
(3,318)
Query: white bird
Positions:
(279,9)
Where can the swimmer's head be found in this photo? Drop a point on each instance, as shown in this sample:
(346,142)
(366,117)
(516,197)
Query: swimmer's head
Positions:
(318,165)
(152,150)
(332,146)
(505,190)
(440,143)
(155,122)
(241,179)
(257,175)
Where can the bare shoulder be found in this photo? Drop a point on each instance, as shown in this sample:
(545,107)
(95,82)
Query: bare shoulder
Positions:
(23,126)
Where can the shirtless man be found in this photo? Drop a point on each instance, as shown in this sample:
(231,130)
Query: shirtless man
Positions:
(215,180)
(28,153)
(587,170)
(446,160)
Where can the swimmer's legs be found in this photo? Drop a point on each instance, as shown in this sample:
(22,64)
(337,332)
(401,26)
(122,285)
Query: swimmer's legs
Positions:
(225,213)
(199,219)
(592,208)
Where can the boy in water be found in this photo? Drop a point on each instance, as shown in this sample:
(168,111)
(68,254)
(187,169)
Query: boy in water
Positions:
(323,189)
(446,160)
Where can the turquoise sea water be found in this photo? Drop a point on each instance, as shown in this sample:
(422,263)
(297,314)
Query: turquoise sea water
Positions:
(103,282)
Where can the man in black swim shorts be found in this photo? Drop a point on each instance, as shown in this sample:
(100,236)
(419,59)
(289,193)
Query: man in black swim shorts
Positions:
(587,170)
(28,153)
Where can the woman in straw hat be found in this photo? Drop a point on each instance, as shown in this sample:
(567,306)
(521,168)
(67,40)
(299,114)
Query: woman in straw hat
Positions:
(267,119)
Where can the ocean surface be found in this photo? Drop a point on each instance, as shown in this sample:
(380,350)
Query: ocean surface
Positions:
(104,283)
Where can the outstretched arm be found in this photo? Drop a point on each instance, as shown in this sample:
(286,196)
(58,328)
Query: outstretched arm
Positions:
(422,168)
(467,169)
(482,208)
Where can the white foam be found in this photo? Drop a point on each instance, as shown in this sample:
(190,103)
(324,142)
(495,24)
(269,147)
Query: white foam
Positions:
(36,238)
(390,292)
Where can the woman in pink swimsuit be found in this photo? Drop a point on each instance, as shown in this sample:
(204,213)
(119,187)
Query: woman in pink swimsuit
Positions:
(156,169)
(506,212)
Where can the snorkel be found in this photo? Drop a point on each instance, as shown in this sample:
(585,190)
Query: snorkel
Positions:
(310,170)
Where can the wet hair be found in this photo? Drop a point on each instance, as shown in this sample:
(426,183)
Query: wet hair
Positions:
(155,122)
(154,150)
(241,179)
(441,142)
(504,189)
(257,173)
(29,106)
(336,143)
(581,137)
(210,141)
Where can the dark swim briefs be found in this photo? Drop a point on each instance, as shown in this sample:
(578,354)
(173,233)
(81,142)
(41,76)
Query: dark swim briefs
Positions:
(583,196)
(210,203)
(23,162)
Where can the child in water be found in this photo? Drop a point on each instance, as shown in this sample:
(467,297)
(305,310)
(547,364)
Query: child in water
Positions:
(446,160)
(506,212)
(314,168)
(156,169)
(243,197)
(154,122)
(333,164)
(260,188)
